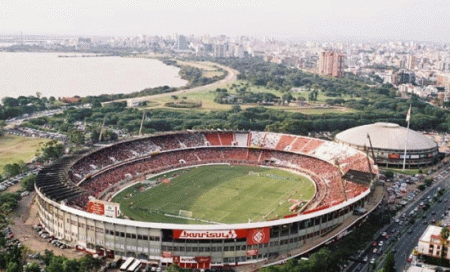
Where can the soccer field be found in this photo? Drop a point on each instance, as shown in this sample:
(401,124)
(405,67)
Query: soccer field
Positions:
(216,194)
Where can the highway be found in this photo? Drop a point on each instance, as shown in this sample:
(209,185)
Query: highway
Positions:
(402,236)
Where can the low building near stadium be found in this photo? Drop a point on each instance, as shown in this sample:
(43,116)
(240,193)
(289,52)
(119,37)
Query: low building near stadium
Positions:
(388,141)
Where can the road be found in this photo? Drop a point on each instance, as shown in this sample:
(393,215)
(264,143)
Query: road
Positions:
(402,237)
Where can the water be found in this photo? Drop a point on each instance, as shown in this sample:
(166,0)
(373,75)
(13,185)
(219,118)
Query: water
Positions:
(28,73)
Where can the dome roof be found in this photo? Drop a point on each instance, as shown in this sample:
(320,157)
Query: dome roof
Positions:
(385,136)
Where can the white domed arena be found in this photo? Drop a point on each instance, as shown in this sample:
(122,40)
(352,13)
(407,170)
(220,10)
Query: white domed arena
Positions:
(388,141)
(101,201)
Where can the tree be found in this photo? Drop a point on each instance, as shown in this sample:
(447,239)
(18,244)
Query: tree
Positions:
(389,264)
(11,170)
(445,233)
(89,263)
(28,182)
(235,108)
(76,136)
(50,151)
(56,264)
(12,267)
(71,265)
(48,256)
(96,104)
(32,267)
(389,174)
(2,124)
(287,98)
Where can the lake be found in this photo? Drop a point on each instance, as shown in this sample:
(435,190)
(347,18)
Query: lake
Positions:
(28,73)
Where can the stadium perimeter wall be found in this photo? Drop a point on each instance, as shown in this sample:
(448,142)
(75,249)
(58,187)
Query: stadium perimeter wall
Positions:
(197,246)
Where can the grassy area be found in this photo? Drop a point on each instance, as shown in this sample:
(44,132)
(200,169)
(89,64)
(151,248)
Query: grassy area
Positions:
(209,69)
(406,171)
(17,148)
(220,193)
(208,104)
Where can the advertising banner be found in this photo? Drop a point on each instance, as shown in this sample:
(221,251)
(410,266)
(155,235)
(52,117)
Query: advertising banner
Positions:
(258,236)
(393,156)
(209,234)
(96,208)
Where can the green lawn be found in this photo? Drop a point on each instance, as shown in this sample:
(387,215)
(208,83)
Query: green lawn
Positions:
(407,171)
(220,193)
(17,148)
(208,104)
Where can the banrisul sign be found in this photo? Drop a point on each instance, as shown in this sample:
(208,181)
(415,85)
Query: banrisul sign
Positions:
(209,234)
(254,236)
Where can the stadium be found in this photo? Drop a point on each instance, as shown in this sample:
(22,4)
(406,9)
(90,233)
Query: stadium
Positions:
(388,142)
(208,199)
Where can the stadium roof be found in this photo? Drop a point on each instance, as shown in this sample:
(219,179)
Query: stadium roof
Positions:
(386,136)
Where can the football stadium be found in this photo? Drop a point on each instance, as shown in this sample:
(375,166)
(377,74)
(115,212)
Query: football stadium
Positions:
(208,199)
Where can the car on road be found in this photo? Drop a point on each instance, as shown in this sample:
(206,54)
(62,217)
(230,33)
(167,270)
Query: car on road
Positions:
(380,243)
(374,243)
(375,250)
(384,234)
(366,258)
(372,261)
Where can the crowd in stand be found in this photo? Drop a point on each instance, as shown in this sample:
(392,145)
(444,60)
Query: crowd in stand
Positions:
(130,160)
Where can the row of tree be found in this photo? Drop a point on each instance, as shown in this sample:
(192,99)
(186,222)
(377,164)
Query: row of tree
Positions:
(14,260)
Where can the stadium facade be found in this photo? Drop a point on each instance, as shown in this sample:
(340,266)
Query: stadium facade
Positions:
(344,179)
(388,141)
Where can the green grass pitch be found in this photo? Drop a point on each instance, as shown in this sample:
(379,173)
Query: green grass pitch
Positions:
(216,193)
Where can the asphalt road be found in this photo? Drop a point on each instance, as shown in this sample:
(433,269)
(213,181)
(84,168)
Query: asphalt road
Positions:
(402,236)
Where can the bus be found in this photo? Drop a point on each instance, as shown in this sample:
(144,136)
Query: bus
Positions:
(135,266)
(126,264)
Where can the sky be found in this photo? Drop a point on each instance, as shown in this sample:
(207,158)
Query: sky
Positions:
(420,20)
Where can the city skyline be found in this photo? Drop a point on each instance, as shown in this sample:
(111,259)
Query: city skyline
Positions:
(288,20)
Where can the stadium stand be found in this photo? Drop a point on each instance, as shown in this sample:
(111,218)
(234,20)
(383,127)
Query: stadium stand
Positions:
(101,169)
(213,138)
(241,139)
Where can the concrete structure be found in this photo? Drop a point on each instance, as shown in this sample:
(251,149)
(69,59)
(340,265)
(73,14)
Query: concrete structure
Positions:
(430,243)
(181,43)
(331,64)
(388,141)
(402,77)
(341,191)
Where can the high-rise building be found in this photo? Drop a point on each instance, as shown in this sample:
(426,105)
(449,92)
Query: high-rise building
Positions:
(220,50)
(402,77)
(181,43)
(331,64)
(410,62)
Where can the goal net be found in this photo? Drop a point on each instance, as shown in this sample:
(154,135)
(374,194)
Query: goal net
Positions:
(185,213)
